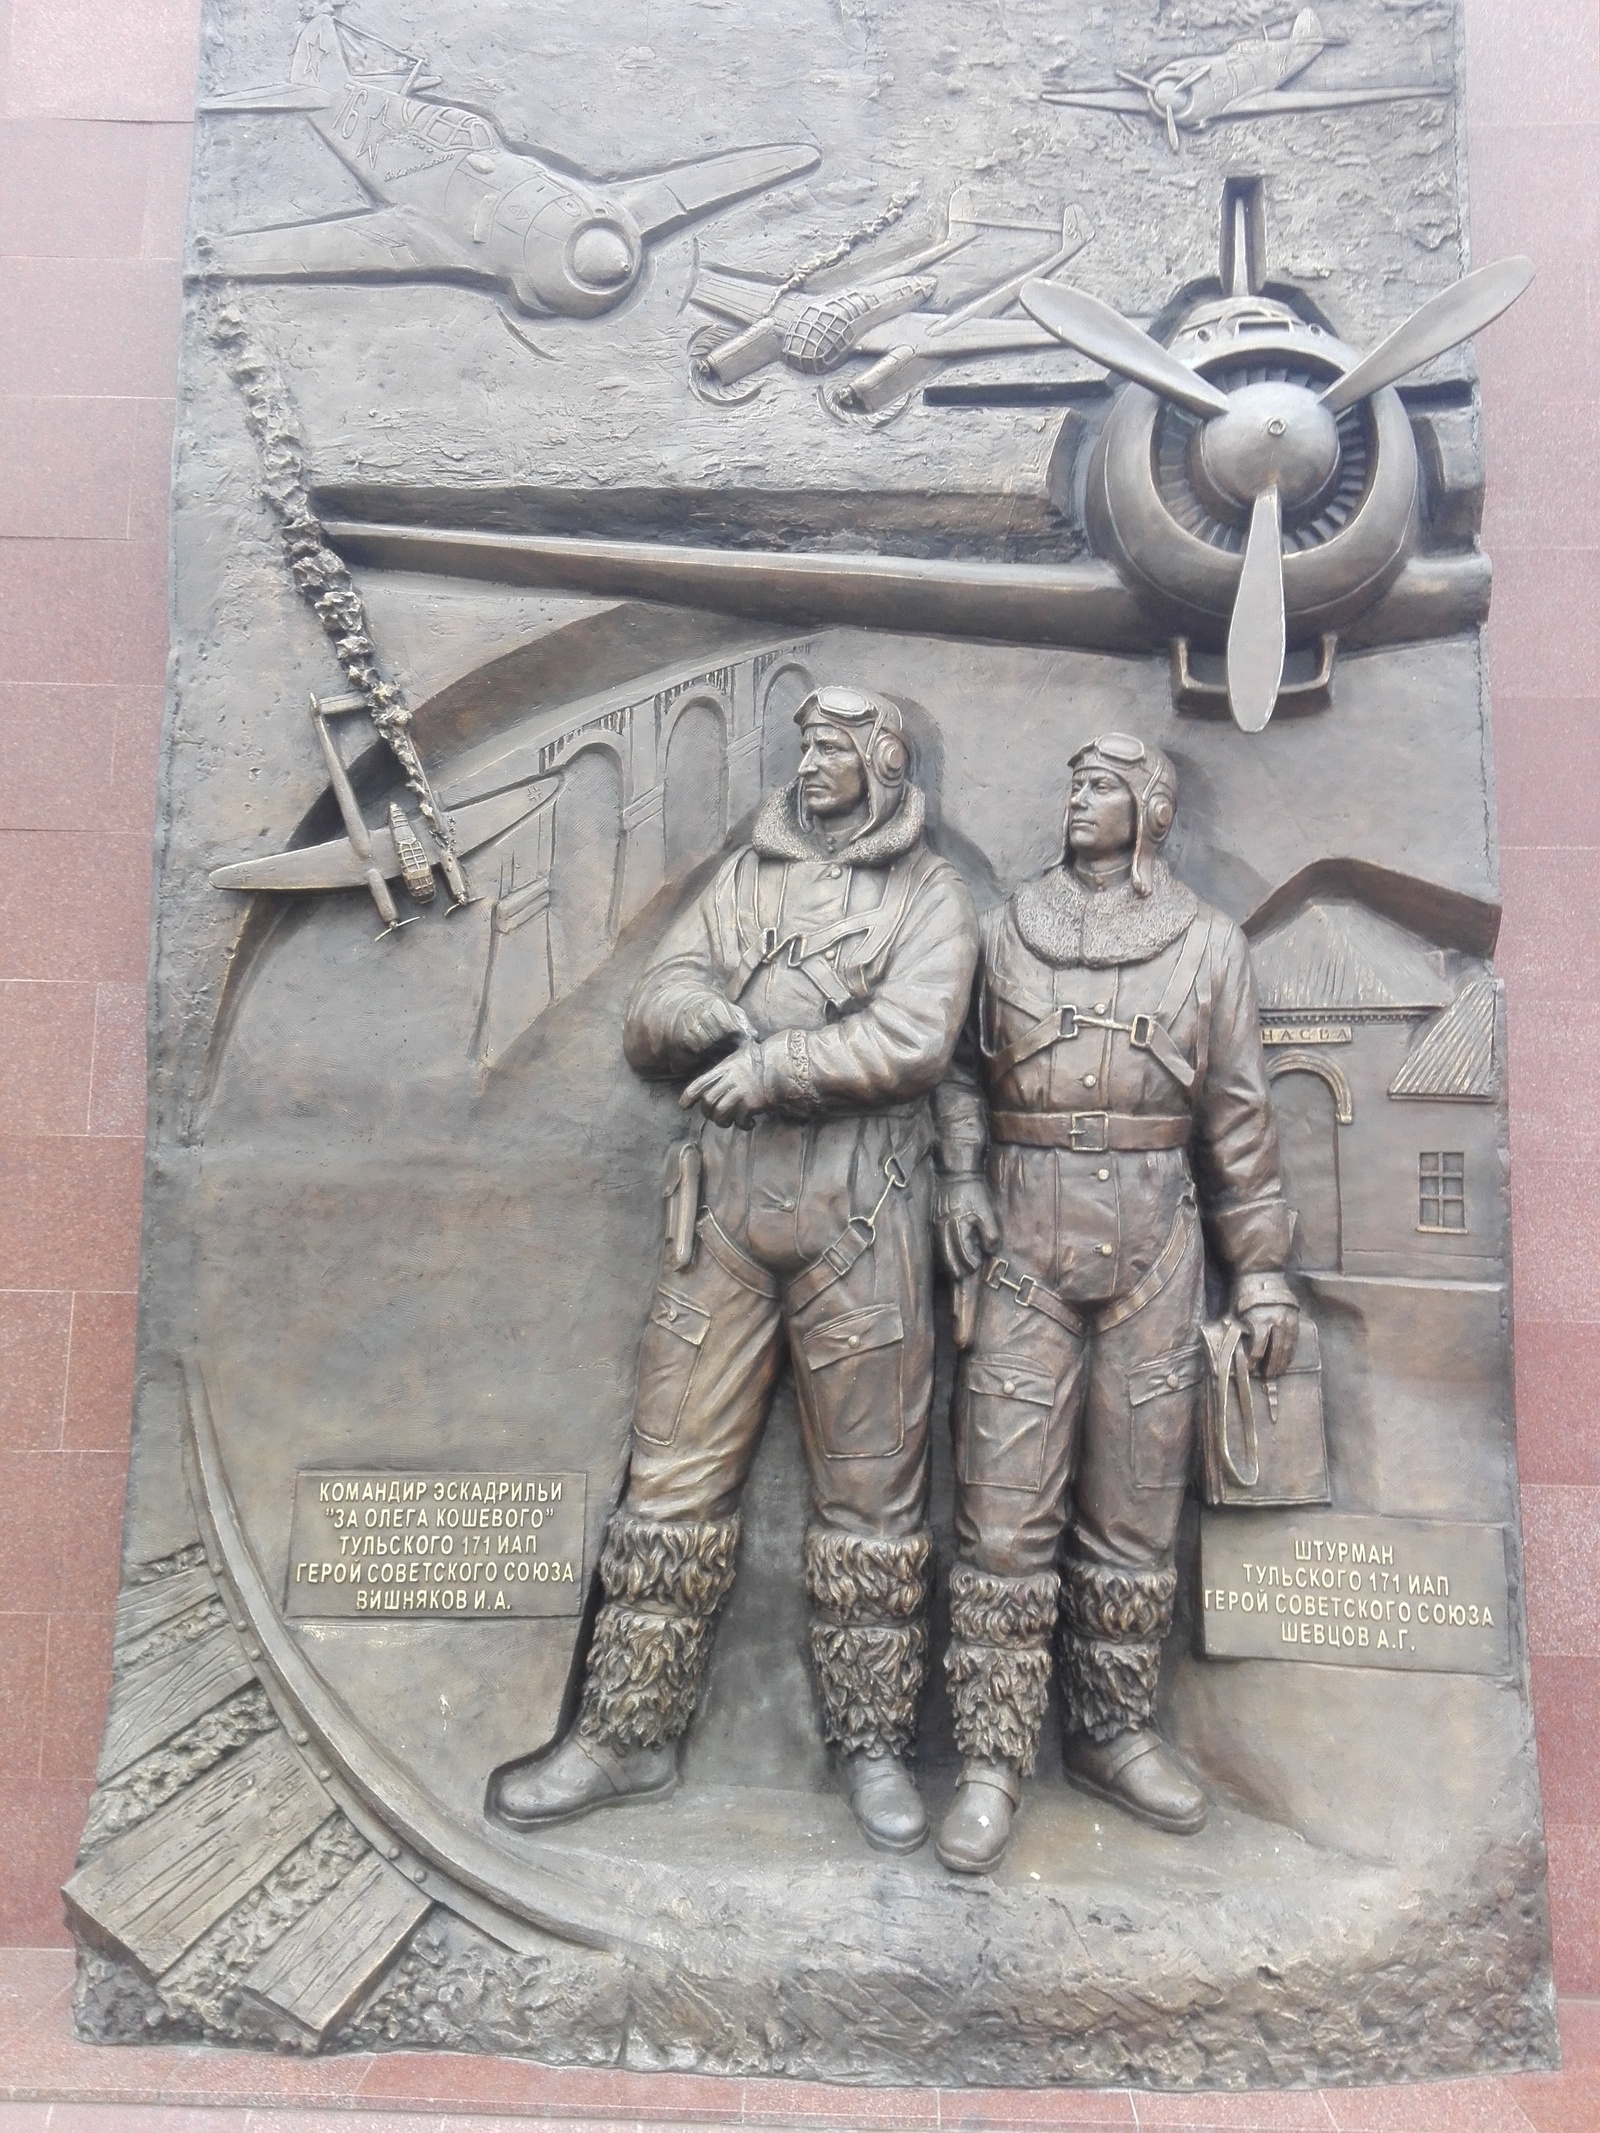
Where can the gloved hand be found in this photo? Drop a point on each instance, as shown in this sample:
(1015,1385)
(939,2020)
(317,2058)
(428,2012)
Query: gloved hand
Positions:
(733,1091)
(964,1222)
(1271,1329)
(708,1020)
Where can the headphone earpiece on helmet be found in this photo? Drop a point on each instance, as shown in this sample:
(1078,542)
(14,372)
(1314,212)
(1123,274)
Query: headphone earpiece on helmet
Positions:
(888,757)
(1160,815)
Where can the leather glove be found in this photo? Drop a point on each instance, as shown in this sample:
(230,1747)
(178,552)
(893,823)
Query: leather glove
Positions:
(707,1020)
(964,1223)
(1271,1330)
(733,1091)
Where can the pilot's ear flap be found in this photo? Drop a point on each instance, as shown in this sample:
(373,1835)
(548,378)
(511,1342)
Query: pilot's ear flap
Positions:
(890,759)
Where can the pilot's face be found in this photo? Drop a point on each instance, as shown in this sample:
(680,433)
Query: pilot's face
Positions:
(833,779)
(1101,819)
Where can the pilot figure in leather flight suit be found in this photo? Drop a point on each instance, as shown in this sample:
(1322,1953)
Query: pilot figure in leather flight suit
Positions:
(834,954)
(1113,1072)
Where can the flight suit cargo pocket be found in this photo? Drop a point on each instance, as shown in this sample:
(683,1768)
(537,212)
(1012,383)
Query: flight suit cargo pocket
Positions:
(668,1356)
(852,1374)
(1161,1397)
(1005,1409)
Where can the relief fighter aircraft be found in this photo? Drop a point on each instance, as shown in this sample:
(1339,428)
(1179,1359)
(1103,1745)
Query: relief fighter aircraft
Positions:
(454,202)
(1253,491)
(1244,82)
(401,850)
(883,317)
(778,321)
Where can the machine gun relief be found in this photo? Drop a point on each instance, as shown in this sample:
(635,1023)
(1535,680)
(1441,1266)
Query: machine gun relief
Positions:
(1254,490)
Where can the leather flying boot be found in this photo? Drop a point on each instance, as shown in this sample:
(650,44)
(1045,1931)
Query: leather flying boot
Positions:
(975,1834)
(886,1804)
(580,1776)
(869,1645)
(1113,1618)
(998,1666)
(1138,1771)
(664,1581)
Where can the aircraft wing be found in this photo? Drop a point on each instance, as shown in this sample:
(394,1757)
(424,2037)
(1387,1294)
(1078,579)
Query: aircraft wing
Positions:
(1273,103)
(731,296)
(1082,603)
(1133,100)
(312,866)
(667,200)
(378,244)
(933,333)
(335,866)
(293,96)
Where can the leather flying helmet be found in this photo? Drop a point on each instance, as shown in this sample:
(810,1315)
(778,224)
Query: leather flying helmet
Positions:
(878,733)
(1153,782)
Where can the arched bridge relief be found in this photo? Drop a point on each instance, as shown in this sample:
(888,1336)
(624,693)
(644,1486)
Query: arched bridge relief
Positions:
(689,758)
(695,737)
(715,700)
(783,686)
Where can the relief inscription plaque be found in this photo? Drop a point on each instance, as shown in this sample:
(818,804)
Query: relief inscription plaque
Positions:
(1391,1592)
(479,1547)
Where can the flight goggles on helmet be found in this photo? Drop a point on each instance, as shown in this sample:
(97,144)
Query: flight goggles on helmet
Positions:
(1126,756)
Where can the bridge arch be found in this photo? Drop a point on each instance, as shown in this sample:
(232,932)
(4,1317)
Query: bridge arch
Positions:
(586,860)
(784,688)
(695,738)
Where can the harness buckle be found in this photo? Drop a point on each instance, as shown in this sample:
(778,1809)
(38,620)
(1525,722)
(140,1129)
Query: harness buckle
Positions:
(1066,1024)
(894,1171)
(997,1276)
(769,943)
(1141,1033)
(866,1224)
(1089,1132)
(796,945)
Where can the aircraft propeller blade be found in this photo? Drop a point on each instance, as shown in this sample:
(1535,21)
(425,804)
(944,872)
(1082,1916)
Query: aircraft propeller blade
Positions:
(1453,315)
(1256,635)
(1097,331)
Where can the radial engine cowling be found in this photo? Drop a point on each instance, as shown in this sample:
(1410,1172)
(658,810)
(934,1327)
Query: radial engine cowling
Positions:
(1169,493)
(564,255)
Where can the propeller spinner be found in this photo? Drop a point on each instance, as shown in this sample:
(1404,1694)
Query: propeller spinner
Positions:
(1264,471)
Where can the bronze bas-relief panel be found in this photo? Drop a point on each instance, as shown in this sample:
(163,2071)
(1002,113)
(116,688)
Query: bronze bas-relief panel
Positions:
(828,1122)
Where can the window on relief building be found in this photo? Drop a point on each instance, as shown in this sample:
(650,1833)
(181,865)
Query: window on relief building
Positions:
(1442,1189)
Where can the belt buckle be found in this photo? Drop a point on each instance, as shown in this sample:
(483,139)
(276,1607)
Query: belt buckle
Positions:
(796,945)
(1067,1024)
(1141,1032)
(1085,1124)
(769,943)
